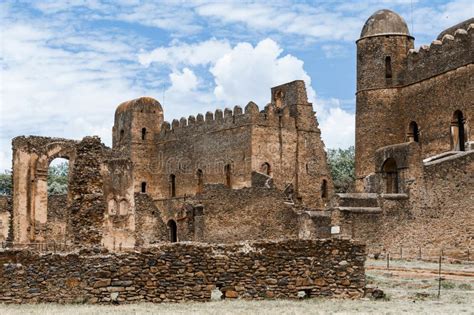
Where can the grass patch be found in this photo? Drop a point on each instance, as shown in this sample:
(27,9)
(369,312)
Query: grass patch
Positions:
(465,286)
(448,285)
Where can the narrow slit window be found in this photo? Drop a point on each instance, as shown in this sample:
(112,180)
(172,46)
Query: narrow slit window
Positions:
(143,133)
(143,187)
(173,185)
(388,67)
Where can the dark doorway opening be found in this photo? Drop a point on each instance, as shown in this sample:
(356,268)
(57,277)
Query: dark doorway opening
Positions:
(173,231)
(391,176)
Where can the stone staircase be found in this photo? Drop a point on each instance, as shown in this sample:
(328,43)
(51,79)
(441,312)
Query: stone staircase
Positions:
(356,203)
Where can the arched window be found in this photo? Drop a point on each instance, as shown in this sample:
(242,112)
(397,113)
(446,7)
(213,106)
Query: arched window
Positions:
(413,132)
(228,175)
(390,173)
(143,133)
(143,187)
(122,133)
(200,181)
(173,231)
(388,67)
(266,169)
(458,136)
(324,189)
(173,185)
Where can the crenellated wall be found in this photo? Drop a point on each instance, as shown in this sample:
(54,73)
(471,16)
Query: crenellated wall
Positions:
(449,53)
(281,140)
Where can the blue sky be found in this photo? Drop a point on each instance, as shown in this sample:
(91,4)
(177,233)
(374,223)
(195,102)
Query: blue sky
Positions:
(66,65)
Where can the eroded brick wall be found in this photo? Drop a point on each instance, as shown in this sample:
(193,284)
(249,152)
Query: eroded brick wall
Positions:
(182,272)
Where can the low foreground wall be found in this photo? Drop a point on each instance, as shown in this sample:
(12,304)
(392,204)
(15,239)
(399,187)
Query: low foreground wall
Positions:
(186,271)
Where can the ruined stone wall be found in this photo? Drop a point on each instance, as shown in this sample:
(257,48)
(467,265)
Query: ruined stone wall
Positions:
(149,225)
(57,219)
(436,214)
(183,272)
(245,214)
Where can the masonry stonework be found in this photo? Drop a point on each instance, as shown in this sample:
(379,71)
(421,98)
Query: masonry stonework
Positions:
(414,141)
(186,272)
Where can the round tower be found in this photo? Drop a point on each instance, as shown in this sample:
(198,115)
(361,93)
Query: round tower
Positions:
(137,122)
(382,51)
(137,125)
(381,65)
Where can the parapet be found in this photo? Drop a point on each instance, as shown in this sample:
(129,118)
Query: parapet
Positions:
(290,93)
(445,54)
(220,120)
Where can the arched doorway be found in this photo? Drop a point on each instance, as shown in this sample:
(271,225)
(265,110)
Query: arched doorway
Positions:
(390,173)
(458,136)
(413,132)
(173,231)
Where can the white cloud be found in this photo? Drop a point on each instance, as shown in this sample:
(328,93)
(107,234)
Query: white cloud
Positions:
(337,125)
(201,53)
(249,71)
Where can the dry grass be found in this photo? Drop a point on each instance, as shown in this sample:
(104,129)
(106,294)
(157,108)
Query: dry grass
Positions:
(406,294)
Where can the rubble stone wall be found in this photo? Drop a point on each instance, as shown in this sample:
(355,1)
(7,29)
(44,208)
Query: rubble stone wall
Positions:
(186,271)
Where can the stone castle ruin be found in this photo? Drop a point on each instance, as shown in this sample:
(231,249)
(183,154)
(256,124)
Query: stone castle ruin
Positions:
(157,216)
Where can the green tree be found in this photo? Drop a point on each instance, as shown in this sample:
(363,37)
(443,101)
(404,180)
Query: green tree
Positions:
(6,185)
(342,164)
(58,178)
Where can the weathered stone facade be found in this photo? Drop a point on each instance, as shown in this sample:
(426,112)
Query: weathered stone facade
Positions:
(220,177)
(414,144)
(186,272)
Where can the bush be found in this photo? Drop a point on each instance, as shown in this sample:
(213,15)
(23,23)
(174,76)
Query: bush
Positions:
(342,165)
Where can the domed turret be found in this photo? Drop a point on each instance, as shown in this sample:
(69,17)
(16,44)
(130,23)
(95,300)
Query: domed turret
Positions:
(381,51)
(137,121)
(384,22)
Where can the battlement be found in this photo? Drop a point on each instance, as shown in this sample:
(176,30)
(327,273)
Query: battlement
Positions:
(228,119)
(449,53)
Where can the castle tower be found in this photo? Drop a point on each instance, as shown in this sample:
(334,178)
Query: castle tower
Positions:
(381,66)
(312,180)
(137,124)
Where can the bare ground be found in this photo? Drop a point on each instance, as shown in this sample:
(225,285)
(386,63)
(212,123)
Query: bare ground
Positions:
(410,287)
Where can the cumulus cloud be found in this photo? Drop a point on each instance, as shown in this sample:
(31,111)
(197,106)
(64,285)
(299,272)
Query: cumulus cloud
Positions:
(251,71)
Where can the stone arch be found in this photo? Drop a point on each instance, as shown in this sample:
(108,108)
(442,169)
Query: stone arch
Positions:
(32,157)
(390,175)
(413,134)
(173,231)
(458,131)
